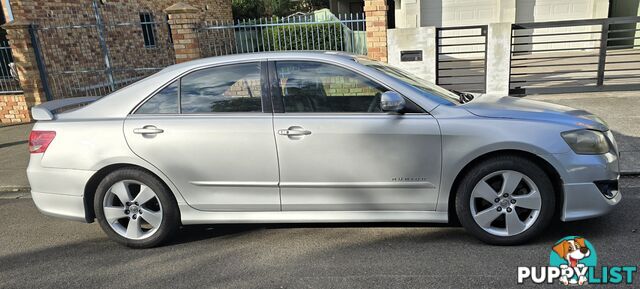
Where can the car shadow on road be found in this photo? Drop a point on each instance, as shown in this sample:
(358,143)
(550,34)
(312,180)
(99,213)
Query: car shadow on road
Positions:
(432,231)
(194,233)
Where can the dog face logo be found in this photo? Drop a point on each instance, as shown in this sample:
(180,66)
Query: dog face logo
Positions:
(572,250)
(573,255)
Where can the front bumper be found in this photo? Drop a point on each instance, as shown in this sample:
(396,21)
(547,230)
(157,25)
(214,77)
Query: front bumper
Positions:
(583,201)
(582,198)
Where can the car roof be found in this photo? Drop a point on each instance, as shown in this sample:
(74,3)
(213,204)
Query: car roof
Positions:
(336,55)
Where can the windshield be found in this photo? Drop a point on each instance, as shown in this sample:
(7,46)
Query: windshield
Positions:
(412,80)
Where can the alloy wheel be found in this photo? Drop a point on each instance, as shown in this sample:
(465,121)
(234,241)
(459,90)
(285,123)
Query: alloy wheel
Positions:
(505,203)
(132,209)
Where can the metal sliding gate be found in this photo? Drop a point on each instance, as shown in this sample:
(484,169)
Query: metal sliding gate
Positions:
(100,52)
(461,58)
(575,56)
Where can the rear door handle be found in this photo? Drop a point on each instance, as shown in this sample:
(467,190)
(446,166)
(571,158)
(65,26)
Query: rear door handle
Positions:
(148,129)
(294,131)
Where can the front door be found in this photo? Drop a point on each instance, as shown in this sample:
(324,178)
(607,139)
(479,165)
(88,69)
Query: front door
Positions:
(339,152)
(208,132)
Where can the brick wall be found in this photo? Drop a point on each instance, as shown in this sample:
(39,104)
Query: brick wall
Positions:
(376,20)
(341,86)
(78,48)
(333,86)
(13,109)
(244,88)
(81,11)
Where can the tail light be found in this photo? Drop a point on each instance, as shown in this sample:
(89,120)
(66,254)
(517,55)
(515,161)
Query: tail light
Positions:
(39,141)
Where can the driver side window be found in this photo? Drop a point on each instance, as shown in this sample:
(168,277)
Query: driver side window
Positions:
(318,87)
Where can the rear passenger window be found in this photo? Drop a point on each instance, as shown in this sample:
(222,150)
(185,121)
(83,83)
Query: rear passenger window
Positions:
(229,88)
(165,101)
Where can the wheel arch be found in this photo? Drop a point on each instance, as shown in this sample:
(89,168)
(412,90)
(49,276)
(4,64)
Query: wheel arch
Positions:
(546,166)
(98,176)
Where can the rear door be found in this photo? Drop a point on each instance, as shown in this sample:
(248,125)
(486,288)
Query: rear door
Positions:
(339,152)
(211,133)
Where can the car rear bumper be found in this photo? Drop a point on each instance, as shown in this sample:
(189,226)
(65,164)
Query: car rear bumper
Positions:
(60,206)
(582,198)
(58,192)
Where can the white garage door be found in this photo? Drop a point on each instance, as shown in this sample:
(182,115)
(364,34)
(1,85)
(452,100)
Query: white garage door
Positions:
(557,10)
(447,13)
(552,10)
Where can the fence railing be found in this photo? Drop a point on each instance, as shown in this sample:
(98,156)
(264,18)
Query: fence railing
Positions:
(575,55)
(8,80)
(316,31)
(461,58)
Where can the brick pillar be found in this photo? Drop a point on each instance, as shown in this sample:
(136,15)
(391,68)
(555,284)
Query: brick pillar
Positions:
(376,17)
(24,58)
(184,21)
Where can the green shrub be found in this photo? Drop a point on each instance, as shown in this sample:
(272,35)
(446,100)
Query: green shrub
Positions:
(323,36)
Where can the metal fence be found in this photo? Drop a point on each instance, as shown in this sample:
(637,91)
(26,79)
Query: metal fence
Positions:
(8,80)
(100,55)
(573,56)
(315,31)
(461,58)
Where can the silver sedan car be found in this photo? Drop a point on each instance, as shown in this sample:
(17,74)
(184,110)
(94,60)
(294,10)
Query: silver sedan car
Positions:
(315,137)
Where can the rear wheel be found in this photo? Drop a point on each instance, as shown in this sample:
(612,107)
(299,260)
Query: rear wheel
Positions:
(505,200)
(134,208)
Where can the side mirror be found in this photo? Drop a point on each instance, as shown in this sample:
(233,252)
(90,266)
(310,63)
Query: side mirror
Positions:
(391,101)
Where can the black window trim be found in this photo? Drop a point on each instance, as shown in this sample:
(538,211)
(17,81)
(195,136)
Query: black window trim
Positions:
(265,95)
(275,92)
(149,32)
(278,100)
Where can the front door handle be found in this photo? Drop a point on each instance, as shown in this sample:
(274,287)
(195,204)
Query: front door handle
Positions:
(148,129)
(294,131)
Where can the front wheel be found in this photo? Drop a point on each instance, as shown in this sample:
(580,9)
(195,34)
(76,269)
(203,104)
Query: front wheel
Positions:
(505,200)
(134,208)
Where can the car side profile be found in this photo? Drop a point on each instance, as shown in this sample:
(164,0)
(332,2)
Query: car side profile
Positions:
(296,137)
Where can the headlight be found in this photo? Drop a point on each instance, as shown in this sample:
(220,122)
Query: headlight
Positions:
(586,142)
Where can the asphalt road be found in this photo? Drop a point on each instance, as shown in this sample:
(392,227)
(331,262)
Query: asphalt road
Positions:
(43,252)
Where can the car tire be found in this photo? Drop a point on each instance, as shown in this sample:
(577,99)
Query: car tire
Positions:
(148,218)
(476,211)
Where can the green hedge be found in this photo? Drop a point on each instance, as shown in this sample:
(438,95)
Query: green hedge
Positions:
(325,36)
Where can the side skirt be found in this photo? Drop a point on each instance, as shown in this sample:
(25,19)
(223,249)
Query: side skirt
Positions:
(192,216)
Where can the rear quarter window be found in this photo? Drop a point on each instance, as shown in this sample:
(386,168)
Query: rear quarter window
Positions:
(164,101)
